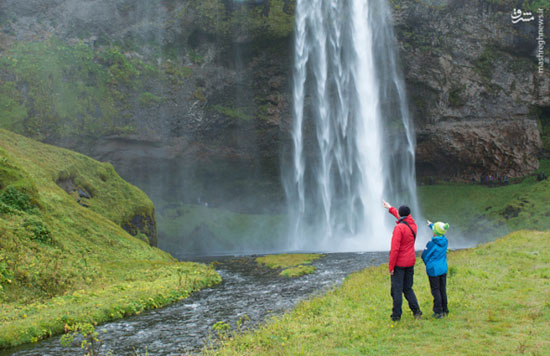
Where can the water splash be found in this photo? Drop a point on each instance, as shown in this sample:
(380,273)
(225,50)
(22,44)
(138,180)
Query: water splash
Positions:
(353,140)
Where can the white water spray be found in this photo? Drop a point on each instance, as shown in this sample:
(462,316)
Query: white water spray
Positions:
(353,141)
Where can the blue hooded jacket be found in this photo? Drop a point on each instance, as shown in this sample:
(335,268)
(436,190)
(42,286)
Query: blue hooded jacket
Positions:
(435,256)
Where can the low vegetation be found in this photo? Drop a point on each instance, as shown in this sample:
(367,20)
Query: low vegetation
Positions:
(297,271)
(291,265)
(64,257)
(270,19)
(498,302)
(482,213)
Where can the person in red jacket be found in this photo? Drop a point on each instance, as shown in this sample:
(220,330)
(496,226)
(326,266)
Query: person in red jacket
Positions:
(402,259)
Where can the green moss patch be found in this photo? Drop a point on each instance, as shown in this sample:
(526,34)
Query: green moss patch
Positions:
(287,260)
(273,19)
(234,113)
(292,265)
(297,271)
(497,300)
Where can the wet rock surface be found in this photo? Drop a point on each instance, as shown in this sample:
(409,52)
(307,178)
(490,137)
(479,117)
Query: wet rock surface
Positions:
(142,224)
(479,147)
(473,81)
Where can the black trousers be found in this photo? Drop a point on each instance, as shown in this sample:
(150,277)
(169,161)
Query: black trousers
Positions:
(401,283)
(438,285)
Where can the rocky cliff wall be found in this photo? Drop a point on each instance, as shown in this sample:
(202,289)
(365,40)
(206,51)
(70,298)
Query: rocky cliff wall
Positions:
(476,91)
(186,98)
(199,91)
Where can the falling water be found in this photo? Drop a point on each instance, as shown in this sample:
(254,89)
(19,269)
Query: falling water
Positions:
(353,141)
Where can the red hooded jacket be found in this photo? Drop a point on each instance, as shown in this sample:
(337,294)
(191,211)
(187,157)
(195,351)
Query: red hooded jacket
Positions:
(402,242)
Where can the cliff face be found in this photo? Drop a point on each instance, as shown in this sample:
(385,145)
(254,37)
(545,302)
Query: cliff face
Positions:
(185,98)
(474,86)
(190,99)
(475,90)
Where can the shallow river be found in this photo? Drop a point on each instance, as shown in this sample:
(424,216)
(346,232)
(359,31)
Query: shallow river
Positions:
(247,291)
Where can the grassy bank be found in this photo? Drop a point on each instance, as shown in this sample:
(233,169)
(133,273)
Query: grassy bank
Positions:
(483,213)
(498,301)
(291,265)
(64,256)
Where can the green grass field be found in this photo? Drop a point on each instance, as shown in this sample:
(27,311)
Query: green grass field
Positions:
(62,263)
(480,213)
(498,301)
(498,292)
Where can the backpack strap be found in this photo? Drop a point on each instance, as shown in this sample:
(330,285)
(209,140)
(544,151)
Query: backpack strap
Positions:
(404,222)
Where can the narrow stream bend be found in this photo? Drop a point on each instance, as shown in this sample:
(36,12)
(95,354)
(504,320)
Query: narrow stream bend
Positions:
(183,327)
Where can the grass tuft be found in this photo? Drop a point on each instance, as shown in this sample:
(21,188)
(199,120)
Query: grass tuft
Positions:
(292,265)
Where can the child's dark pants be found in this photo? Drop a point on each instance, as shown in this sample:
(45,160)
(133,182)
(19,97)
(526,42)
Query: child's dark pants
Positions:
(438,285)
(401,283)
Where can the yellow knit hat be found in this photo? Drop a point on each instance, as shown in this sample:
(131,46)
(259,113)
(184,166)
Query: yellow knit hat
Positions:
(440,228)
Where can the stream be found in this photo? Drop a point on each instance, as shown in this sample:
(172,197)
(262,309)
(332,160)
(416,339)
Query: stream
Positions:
(248,292)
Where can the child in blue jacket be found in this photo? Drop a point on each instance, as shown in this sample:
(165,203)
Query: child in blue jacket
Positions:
(435,258)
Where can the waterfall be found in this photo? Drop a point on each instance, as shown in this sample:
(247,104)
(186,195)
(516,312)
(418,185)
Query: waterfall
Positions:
(352,136)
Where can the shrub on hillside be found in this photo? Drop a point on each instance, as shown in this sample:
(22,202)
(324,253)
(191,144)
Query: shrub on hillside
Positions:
(16,199)
(37,229)
(5,209)
(5,276)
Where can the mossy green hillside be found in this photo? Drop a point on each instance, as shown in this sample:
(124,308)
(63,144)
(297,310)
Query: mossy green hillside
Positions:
(498,302)
(482,213)
(62,262)
(110,195)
